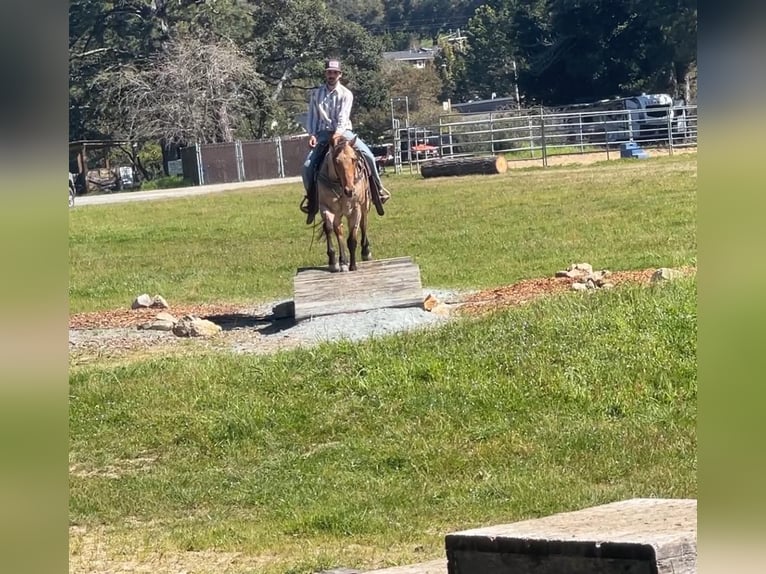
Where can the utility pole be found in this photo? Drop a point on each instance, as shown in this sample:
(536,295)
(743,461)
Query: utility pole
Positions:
(516,85)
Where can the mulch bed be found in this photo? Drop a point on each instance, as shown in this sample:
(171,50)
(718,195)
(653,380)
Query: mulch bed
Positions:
(125,318)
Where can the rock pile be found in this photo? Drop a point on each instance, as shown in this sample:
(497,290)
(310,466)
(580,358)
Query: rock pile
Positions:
(585,278)
(187,326)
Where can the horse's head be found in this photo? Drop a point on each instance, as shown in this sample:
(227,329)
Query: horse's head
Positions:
(347,162)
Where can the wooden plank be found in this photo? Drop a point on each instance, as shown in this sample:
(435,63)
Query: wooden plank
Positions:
(637,536)
(385,283)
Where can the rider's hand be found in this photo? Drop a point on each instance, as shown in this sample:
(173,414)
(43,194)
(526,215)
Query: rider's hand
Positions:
(312,141)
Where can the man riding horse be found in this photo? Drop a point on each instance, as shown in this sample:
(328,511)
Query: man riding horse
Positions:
(330,114)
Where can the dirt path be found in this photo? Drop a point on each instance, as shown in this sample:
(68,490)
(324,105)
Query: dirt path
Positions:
(589,158)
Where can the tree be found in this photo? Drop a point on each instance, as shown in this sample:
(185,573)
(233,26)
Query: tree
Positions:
(194,91)
(489,58)
(579,50)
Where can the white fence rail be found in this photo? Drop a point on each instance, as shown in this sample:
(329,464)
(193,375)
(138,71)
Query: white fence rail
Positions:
(530,134)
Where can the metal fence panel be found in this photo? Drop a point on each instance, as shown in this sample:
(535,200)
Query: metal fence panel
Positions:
(294,152)
(189,164)
(260,160)
(219,163)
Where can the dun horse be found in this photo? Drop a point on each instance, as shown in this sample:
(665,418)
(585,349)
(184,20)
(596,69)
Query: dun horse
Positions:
(343,192)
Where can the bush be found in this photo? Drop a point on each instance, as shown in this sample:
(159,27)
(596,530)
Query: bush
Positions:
(165,182)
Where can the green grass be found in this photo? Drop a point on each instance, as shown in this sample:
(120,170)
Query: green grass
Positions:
(468,232)
(366,454)
(390,444)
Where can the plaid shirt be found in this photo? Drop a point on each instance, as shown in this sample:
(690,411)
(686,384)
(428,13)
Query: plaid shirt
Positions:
(330,110)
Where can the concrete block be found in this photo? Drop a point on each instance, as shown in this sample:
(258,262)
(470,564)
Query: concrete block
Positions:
(637,536)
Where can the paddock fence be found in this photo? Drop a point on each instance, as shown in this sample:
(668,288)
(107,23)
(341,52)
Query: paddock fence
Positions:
(525,135)
(520,135)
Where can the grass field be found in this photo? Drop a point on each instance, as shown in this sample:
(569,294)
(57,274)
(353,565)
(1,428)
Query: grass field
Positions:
(469,232)
(365,454)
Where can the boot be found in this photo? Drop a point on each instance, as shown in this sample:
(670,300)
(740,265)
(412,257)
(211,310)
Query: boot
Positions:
(312,201)
(377,197)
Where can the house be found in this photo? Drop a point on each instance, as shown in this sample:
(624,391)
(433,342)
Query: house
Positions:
(416,57)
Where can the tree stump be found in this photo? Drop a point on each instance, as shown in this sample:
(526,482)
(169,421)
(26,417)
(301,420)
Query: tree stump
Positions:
(482,165)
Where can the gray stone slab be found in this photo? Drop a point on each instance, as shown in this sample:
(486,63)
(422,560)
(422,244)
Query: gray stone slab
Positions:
(438,566)
(637,536)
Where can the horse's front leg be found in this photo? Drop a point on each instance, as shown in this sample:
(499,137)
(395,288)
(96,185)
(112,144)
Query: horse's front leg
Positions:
(338,228)
(353,230)
(366,250)
(328,229)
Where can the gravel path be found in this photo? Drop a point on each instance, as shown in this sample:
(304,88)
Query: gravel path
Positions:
(114,335)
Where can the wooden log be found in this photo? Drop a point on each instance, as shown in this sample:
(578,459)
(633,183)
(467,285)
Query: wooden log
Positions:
(481,165)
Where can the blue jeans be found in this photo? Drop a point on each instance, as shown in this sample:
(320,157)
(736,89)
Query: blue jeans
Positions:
(309,166)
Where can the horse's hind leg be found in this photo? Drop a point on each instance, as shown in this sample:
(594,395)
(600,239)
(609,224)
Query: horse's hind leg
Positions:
(327,228)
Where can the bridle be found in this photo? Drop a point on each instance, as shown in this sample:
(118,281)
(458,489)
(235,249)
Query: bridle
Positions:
(338,148)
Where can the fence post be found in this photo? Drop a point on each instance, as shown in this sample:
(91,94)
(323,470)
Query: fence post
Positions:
(491,135)
(240,160)
(542,138)
(280,157)
(531,137)
(670,130)
(579,119)
(200,170)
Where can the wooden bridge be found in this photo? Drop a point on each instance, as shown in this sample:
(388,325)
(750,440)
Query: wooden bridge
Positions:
(386,283)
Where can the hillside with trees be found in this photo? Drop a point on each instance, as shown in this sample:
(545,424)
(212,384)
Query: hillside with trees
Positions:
(149,71)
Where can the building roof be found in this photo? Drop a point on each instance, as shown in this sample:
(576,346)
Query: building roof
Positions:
(405,55)
(485,105)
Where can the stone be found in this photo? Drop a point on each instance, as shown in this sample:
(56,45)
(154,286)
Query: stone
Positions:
(665,274)
(163,316)
(141,302)
(158,325)
(159,301)
(581,268)
(579,287)
(430,302)
(637,536)
(284,310)
(190,326)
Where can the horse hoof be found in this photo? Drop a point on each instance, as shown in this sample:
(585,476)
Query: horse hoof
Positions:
(367,257)
(344,268)
(352,268)
(334,268)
